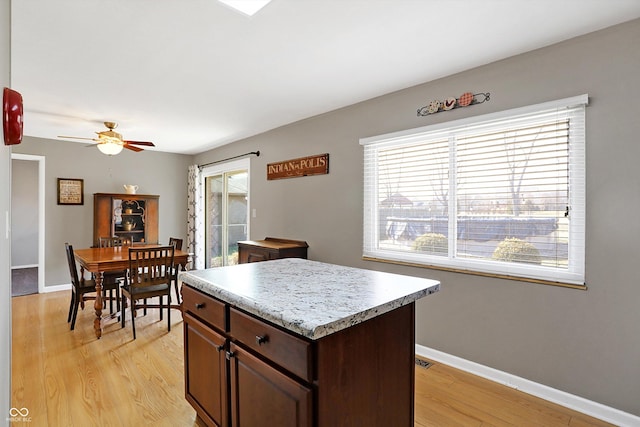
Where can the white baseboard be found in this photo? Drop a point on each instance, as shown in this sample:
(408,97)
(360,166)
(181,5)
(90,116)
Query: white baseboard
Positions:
(577,403)
(56,288)
(18,267)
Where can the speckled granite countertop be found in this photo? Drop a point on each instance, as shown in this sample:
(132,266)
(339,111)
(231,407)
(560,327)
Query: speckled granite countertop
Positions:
(310,298)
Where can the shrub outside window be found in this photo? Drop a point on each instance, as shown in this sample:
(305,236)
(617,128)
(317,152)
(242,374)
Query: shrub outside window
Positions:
(502,194)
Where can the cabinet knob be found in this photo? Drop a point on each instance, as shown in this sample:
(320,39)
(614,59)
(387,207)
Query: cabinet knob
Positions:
(219,347)
(199,305)
(261,339)
(230,354)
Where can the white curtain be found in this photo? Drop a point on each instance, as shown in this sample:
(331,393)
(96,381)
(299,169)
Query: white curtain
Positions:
(195,215)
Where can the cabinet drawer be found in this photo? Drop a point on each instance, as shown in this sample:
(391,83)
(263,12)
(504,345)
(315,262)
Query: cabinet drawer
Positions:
(258,255)
(288,351)
(204,307)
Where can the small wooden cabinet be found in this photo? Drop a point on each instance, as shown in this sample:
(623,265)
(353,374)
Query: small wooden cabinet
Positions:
(270,248)
(134,216)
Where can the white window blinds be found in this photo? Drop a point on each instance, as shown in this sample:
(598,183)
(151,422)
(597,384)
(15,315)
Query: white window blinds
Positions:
(502,193)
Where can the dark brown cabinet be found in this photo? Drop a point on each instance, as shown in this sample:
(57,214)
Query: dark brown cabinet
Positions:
(222,375)
(362,375)
(264,396)
(134,216)
(206,373)
(270,248)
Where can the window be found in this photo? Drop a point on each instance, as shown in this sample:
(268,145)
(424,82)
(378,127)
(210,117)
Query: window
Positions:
(500,194)
(226,204)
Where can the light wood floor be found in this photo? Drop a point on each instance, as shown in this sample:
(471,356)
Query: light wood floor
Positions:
(67,378)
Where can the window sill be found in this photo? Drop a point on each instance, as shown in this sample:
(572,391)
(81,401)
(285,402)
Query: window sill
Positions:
(479,273)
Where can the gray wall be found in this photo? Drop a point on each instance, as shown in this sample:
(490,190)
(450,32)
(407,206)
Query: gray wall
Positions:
(164,174)
(582,342)
(24,210)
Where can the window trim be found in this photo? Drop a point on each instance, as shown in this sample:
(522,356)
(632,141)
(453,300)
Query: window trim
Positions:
(574,276)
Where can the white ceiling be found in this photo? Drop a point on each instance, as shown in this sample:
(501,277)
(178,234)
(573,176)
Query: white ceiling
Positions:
(191,75)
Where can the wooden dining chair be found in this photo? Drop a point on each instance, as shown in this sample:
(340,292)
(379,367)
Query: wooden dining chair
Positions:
(151,271)
(79,287)
(111,279)
(176,242)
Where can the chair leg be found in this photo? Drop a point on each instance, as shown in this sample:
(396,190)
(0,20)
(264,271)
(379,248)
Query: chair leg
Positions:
(161,301)
(71,306)
(118,300)
(75,312)
(133,318)
(122,306)
(110,300)
(169,311)
(175,285)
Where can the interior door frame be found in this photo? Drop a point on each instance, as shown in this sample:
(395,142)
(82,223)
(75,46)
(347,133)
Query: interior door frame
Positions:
(41,213)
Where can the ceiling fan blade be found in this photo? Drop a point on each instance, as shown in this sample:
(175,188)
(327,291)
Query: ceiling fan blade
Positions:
(77,137)
(148,144)
(132,148)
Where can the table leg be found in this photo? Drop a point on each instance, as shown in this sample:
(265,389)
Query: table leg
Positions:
(97,322)
(183,267)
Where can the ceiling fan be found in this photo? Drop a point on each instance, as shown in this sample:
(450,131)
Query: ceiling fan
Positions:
(110,142)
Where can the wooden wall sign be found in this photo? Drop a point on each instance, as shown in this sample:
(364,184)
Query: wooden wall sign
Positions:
(304,166)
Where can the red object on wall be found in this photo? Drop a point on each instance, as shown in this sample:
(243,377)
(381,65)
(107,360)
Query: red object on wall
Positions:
(465,99)
(12,115)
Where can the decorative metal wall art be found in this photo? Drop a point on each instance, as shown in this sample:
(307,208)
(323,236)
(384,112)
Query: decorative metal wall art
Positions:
(451,103)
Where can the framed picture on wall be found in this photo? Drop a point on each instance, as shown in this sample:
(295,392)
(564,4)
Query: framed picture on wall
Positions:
(70,191)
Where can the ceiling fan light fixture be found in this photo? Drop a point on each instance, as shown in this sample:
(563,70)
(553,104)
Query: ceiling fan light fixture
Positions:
(110,148)
(111,143)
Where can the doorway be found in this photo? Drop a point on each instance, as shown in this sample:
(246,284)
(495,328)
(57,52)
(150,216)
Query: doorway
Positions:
(27,224)
(226,204)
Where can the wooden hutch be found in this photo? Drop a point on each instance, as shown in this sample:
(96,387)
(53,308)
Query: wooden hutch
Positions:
(134,216)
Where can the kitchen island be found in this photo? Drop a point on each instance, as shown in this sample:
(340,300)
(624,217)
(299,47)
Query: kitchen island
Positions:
(294,342)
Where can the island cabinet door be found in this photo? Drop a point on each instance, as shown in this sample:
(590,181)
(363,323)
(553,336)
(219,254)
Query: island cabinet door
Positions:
(262,396)
(206,384)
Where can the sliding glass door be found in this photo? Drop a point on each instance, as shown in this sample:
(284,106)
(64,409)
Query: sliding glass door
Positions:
(226,199)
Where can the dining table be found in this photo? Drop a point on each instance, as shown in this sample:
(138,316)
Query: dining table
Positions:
(98,260)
